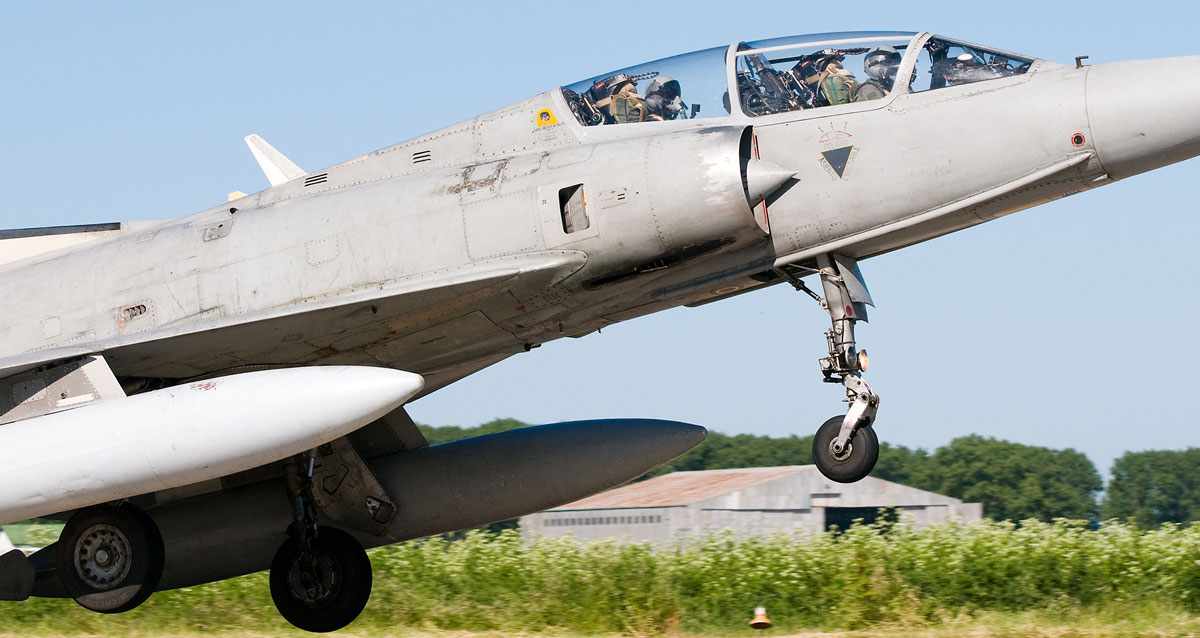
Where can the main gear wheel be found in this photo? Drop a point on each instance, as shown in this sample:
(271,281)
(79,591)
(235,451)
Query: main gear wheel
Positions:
(110,558)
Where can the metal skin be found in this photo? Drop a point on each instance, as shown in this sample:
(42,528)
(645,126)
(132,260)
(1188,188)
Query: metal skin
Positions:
(449,252)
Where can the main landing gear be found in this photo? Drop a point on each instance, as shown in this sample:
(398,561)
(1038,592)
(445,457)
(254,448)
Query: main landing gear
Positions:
(109,558)
(845,448)
(321,576)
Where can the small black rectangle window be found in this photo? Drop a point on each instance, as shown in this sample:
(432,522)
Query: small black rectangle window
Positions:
(573,205)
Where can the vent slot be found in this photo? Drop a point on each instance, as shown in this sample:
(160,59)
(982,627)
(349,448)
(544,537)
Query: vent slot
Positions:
(313,180)
(133,312)
(420,157)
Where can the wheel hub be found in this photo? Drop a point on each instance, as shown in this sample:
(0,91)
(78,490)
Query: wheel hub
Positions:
(314,579)
(103,557)
(843,454)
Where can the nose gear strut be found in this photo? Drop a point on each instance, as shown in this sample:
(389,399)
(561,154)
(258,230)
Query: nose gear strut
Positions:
(845,448)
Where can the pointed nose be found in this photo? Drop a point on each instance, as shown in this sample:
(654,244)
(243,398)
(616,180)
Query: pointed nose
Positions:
(1144,114)
(763,178)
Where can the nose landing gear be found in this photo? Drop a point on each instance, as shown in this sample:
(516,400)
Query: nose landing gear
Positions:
(845,448)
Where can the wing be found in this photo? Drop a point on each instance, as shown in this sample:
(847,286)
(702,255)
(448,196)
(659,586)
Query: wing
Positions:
(433,325)
(10,366)
(19,244)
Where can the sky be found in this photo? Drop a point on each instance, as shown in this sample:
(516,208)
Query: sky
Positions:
(1069,325)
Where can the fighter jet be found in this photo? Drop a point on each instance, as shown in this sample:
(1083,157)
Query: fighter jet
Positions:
(223,393)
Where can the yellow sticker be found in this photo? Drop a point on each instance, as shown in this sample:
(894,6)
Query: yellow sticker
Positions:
(545,117)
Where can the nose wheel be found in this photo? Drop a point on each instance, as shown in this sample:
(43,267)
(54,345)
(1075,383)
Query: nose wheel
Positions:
(845,448)
(849,462)
(110,558)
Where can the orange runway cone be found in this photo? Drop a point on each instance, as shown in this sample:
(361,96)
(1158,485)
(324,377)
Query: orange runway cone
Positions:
(760,619)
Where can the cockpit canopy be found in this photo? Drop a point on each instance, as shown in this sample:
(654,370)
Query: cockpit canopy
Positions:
(808,72)
(678,88)
(784,74)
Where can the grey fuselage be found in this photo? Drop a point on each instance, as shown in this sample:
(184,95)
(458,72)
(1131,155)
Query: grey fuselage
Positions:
(448,252)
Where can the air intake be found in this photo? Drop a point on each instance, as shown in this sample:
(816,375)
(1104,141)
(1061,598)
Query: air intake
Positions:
(420,157)
(313,180)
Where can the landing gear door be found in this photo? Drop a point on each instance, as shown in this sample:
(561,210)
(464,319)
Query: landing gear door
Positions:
(855,283)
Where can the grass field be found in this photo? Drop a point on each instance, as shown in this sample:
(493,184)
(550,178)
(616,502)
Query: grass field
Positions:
(33,534)
(989,579)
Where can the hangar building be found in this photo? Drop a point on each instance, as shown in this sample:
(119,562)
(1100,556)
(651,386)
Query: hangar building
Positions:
(751,502)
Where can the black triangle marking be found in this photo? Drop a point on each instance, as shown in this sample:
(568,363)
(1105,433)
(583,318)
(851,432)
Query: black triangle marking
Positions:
(838,158)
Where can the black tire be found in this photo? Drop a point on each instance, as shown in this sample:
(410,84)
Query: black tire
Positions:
(856,462)
(109,559)
(344,572)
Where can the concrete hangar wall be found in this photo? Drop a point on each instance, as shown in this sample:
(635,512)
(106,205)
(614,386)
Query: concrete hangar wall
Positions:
(749,502)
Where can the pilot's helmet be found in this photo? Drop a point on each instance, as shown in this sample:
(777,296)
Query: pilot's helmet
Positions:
(665,85)
(663,97)
(882,64)
(619,81)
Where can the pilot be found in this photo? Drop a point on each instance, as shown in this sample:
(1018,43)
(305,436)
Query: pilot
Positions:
(627,106)
(664,98)
(837,84)
(881,66)
(825,76)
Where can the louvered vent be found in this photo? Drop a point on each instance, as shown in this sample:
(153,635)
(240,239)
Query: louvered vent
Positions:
(420,157)
(313,180)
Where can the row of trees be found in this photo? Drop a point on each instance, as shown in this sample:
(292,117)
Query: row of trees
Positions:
(1013,481)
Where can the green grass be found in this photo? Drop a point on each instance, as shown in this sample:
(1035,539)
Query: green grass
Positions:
(33,534)
(987,579)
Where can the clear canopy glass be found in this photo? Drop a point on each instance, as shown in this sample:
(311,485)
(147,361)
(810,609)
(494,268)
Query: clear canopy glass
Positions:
(815,71)
(781,75)
(945,63)
(683,87)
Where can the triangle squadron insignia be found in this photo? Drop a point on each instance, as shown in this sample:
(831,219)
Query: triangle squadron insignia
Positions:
(838,158)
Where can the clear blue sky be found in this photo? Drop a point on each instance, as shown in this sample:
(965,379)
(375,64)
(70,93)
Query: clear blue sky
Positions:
(1070,325)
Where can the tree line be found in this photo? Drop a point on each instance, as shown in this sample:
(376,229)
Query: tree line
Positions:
(1013,481)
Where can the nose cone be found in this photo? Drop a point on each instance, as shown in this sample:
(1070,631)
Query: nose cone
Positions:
(608,452)
(664,440)
(1144,114)
(372,391)
(763,178)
